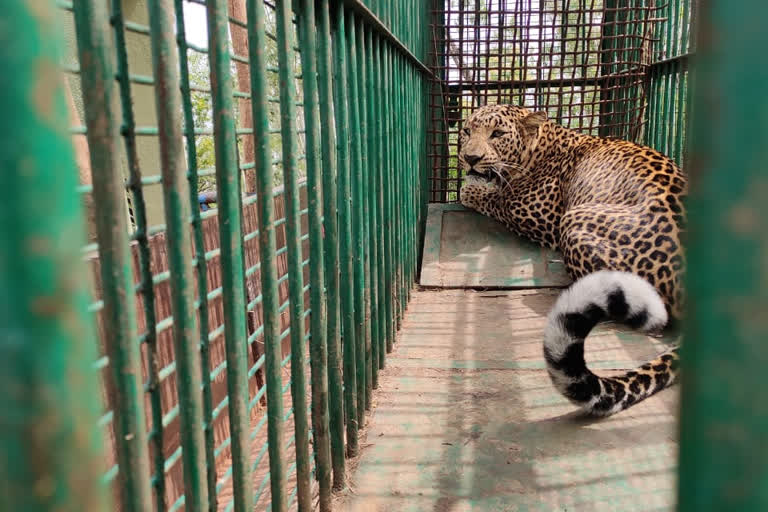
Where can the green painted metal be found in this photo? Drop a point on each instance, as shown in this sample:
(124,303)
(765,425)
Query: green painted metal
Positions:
(384,311)
(345,235)
(362,77)
(362,237)
(177,214)
(48,437)
(388,188)
(285,54)
(200,261)
(383,179)
(232,265)
(356,177)
(330,200)
(724,427)
(145,284)
(667,110)
(318,321)
(373,194)
(98,85)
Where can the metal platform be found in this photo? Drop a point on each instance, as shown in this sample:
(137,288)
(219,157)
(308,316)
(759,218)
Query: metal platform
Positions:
(463,249)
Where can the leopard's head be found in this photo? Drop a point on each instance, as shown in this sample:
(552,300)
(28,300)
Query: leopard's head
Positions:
(495,142)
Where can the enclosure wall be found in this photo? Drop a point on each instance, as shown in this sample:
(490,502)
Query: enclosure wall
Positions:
(287,152)
(601,67)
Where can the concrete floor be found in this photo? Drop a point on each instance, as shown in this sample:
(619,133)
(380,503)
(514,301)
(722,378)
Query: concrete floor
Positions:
(466,418)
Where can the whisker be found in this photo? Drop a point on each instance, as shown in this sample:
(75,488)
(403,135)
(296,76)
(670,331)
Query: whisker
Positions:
(496,172)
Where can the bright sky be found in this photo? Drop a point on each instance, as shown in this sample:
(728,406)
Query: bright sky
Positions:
(195,23)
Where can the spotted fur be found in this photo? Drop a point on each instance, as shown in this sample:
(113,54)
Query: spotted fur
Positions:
(614,209)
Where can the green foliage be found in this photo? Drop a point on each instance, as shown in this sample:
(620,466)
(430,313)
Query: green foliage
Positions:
(202,110)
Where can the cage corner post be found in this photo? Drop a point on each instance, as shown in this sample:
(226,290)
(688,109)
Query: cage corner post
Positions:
(724,427)
(51,454)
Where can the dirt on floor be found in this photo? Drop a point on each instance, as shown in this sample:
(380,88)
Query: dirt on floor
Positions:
(466,418)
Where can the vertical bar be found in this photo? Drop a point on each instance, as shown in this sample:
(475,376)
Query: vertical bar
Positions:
(397,242)
(98,85)
(681,105)
(176,202)
(607,43)
(373,194)
(49,444)
(723,441)
(200,263)
(402,134)
(345,220)
(389,189)
(330,201)
(232,269)
(365,182)
(286,57)
(145,259)
(358,213)
(380,216)
(318,320)
(384,172)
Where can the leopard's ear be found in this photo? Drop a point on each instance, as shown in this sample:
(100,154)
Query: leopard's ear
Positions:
(531,123)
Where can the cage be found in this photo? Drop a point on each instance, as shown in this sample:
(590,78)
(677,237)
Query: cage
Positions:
(217,218)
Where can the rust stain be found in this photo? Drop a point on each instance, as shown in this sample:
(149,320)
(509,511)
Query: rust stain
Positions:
(743,219)
(38,245)
(45,89)
(47,305)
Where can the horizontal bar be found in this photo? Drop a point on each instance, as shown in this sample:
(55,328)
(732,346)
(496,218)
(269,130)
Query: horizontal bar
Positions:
(367,15)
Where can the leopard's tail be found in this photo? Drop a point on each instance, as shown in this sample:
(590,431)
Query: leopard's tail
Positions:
(621,297)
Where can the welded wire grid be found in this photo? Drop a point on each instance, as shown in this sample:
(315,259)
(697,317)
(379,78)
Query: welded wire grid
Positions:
(668,103)
(261,246)
(583,61)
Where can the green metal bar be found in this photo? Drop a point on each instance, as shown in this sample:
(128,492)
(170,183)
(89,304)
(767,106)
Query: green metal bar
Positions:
(345,221)
(145,258)
(724,428)
(684,48)
(411,167)
(650,110)
(386,186)
(50,446)
(389,188)
(200,260)
(383,313)
(371,153)
(382,26)
(394,183)
(318,321)
(177,213)
(362,79)
(403,212)
(358,213)
(680,140)
(330,201)
(98,85)
(229,202)
(267,249)
(286,58)
(384,261)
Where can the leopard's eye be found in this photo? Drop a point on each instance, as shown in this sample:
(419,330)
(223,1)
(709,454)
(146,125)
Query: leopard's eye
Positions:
(497,133)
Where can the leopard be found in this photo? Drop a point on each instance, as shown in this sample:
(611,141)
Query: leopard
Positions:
(614,210)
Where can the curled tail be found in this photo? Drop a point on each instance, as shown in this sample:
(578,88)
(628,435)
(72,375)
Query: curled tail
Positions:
(624,298)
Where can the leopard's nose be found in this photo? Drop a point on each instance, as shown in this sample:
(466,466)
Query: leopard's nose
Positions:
(473,159)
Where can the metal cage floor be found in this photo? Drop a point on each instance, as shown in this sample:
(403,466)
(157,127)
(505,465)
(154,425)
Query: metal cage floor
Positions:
(466,419)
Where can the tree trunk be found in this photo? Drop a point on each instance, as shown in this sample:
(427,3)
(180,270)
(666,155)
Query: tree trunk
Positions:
(240,45)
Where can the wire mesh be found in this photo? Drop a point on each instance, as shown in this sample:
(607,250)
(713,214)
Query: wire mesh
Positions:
(583,61)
